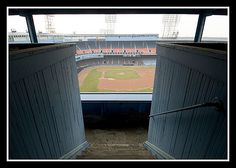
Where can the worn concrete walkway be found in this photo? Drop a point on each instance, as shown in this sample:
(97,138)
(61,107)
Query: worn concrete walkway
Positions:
(118,143)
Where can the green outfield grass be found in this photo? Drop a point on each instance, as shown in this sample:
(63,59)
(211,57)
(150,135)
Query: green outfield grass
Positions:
(123,73)
(91,81)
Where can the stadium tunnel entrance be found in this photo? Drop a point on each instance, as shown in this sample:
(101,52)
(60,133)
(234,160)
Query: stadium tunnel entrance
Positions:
(111,115)
(39,101)
(116,80)
(46,120)
(115,129)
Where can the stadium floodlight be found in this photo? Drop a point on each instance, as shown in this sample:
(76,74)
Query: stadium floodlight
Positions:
(170,22)
(110,22)
(49,23)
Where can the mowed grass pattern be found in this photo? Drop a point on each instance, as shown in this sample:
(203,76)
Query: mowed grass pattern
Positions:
(91,81)
(124,73)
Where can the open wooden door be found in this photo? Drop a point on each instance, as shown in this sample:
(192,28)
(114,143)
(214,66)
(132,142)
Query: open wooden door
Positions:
(187,76)
(45,114)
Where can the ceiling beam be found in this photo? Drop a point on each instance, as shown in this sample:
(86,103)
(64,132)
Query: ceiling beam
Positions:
(31,28)
(200,28)
(45,11)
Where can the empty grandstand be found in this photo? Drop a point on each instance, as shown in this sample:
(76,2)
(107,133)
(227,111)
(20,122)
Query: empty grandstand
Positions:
(131,53)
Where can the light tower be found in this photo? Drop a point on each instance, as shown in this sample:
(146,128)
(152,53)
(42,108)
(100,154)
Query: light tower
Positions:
(170,23)
(49,23)
(110,22)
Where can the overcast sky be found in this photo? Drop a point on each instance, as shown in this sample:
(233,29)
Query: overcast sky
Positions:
(125,24)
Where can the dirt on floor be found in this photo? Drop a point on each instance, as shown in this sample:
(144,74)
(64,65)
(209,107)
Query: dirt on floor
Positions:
(116,135)
(119,143)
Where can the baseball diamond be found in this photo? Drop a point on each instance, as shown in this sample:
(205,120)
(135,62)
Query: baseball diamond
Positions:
(117,79)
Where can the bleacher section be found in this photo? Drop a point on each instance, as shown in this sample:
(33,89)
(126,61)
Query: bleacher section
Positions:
(116,47)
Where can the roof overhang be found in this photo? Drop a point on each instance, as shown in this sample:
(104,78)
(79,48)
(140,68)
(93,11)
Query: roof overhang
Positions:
(44,11)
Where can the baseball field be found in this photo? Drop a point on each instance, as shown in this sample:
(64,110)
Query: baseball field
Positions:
(117,79)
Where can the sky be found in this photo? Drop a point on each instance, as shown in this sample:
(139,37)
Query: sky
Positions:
(217,26)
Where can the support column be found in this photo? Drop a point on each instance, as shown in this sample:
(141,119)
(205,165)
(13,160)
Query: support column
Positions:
(31,28)
(200,27)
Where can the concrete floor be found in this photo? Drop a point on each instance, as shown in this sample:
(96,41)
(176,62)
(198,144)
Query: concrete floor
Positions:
(116,143)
